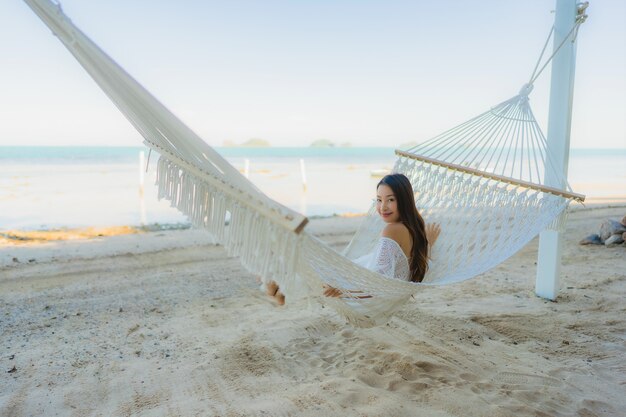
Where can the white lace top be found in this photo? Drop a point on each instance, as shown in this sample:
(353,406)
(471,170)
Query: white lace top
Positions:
(387,258)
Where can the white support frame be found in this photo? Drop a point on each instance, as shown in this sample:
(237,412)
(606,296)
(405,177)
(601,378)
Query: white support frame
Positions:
(559,127)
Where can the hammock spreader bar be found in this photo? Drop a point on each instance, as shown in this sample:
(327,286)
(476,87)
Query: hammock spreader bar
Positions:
(501,178)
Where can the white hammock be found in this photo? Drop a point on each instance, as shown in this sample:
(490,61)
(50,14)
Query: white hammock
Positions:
(482,181)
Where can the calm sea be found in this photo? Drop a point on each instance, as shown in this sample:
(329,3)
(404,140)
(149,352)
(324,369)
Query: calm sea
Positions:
(50,187)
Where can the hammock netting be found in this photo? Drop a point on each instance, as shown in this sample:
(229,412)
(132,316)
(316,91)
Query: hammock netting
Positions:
(482,181)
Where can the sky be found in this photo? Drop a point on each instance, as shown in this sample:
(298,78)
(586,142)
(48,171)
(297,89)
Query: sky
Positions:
(370,73)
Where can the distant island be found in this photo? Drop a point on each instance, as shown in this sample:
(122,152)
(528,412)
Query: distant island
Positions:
(256,143)
(408,145)
(262,143)
(250,143)
(325,143)
(322,143)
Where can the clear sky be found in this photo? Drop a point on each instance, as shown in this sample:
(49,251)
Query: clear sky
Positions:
(373,73)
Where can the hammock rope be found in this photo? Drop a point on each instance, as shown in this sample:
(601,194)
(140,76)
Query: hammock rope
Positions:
(581,17)
(481,180)
(504,143)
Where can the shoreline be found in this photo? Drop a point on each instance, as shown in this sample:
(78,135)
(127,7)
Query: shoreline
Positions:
(43,235)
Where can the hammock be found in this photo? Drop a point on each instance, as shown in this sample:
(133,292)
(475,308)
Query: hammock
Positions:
(482,181)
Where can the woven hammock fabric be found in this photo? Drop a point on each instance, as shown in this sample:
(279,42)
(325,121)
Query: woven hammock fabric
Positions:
(484,220)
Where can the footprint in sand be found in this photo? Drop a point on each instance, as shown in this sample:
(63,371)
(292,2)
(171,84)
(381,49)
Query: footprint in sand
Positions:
(513,378)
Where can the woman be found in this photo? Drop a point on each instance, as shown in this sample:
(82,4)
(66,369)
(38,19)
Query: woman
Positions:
(402,251)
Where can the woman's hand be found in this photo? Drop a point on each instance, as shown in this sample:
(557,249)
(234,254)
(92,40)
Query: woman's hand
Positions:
(336,292)
(432,233)
(331,291)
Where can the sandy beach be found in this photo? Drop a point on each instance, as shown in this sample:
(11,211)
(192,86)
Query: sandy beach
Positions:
(113,305)
(164,323)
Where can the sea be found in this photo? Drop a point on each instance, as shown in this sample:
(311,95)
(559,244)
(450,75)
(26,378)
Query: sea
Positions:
(45,188)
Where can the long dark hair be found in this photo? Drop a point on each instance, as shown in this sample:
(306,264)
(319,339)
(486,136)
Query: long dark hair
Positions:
(410,217)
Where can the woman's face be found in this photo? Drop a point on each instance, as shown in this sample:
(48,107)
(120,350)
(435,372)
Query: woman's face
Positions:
(386,204)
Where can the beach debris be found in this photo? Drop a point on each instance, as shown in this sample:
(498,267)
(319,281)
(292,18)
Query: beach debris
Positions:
(611,233)
(610,227)
(16,260)
(12,370)
(21,236)
(133,329)
(32,260)
(379,173)
(11,236)
(614,240)
(591,240)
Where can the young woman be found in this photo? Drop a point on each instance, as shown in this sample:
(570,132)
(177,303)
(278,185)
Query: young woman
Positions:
(403,248)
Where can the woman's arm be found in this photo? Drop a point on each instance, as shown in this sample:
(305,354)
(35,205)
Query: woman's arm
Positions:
(383,261)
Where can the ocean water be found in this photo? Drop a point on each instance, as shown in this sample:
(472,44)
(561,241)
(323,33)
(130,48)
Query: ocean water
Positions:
(51,187)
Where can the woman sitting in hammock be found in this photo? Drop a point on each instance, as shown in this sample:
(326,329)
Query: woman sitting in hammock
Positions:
(403,248)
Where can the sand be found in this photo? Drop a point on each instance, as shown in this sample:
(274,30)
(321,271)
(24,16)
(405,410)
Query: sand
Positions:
(163,323)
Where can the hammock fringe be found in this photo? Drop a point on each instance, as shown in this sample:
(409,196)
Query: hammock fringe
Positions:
(265,248)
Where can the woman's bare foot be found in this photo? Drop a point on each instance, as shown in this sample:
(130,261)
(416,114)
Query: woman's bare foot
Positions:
(271,288)
(331,291)
(274,291)
(280,298)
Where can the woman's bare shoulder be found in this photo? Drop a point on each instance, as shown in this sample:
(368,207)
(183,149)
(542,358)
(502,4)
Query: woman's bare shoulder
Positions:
(400,233)
(396,231)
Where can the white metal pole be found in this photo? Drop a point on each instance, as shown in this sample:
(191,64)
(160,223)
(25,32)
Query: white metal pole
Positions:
(142,157)
(142,198)
(303,173)
(559,127)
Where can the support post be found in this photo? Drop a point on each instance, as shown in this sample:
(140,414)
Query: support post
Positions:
(142,158)
(142,198)
(559,127)
(246,168)
(303,174)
